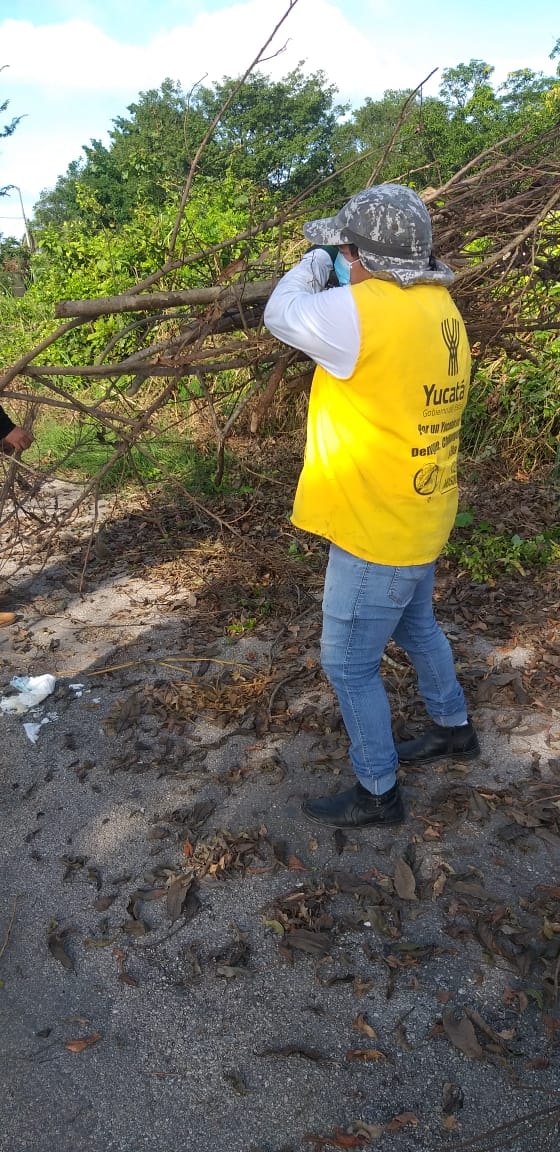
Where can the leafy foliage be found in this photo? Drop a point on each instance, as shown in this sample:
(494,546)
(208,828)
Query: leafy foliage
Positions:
(108,221)
(277,135)
(14,264)
(514,408)
(74,261)
(21,320)
(441,134)
(486,553)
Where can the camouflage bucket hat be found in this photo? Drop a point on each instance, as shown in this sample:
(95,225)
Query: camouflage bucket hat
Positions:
(391,228)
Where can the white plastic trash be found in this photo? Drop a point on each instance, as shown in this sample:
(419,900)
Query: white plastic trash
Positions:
(32,690)
(32,730)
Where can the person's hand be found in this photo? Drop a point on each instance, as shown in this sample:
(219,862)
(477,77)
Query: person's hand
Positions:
(16,441)
(330,249)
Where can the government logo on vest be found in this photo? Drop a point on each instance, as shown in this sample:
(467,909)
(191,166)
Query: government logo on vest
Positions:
(450,331)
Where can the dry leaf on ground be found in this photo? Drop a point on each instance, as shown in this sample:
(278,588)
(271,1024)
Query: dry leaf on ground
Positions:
(339,1139)
(404,1120)
(361,1025)
(405,881)
(452,1098)
(365,1054)
(55,944)
(462,1034)
(78,1046)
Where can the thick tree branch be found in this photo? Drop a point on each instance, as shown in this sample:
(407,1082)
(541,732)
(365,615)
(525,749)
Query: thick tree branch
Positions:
(248,293)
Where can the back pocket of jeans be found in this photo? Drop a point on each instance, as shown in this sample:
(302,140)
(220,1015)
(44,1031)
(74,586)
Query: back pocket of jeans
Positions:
(404,582)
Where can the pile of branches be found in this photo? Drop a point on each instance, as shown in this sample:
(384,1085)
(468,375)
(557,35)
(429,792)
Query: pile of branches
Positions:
(496,222)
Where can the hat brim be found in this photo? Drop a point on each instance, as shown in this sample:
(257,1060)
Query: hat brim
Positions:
(325,231)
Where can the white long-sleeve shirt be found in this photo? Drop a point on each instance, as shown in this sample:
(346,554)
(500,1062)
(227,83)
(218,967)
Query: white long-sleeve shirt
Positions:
(324,325)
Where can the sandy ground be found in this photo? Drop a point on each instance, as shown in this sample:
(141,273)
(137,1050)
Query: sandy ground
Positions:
(186,962)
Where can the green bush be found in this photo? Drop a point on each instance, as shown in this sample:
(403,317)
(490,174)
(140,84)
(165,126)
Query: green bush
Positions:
(487,554)
(514,408)
(23,322)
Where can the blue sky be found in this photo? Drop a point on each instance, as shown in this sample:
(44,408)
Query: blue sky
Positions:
(74,65)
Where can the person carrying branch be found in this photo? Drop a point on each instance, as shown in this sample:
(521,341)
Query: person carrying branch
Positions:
(12,439)
(379,479)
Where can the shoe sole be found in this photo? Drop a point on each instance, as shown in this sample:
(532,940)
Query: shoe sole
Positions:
(442,756)
(355,827)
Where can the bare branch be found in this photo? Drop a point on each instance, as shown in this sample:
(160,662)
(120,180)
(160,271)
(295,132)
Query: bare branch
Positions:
(210,131)
(397,128)
(155,301)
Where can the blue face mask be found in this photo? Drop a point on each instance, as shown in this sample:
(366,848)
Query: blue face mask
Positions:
(343,267)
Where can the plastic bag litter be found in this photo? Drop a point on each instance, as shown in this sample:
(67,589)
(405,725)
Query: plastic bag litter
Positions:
(31,691)
(32,730)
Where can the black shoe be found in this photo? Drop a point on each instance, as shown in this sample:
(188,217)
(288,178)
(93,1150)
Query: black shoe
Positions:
(439,743)
(357,808)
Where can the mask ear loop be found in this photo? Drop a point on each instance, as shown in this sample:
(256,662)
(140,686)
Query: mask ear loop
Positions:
(346,266)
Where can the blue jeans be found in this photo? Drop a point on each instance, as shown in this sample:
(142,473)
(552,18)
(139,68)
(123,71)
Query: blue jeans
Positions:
(364,605)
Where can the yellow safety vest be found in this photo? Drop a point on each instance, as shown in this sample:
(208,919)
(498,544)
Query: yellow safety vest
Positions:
(380,470)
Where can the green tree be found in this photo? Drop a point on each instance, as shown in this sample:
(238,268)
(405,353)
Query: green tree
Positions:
(149,154)
(77,260)
(523,90)
(276,134)
(58,205)
(416,153)
(14,265)
(147,159)
(439,135)
(460,84)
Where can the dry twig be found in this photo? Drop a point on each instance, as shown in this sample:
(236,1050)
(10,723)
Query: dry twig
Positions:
(9,928)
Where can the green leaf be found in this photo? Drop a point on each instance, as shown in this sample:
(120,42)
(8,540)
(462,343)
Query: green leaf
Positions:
(463,519)
(275,925)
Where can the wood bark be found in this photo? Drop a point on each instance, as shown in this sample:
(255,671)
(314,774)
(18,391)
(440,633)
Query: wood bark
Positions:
(248,293)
